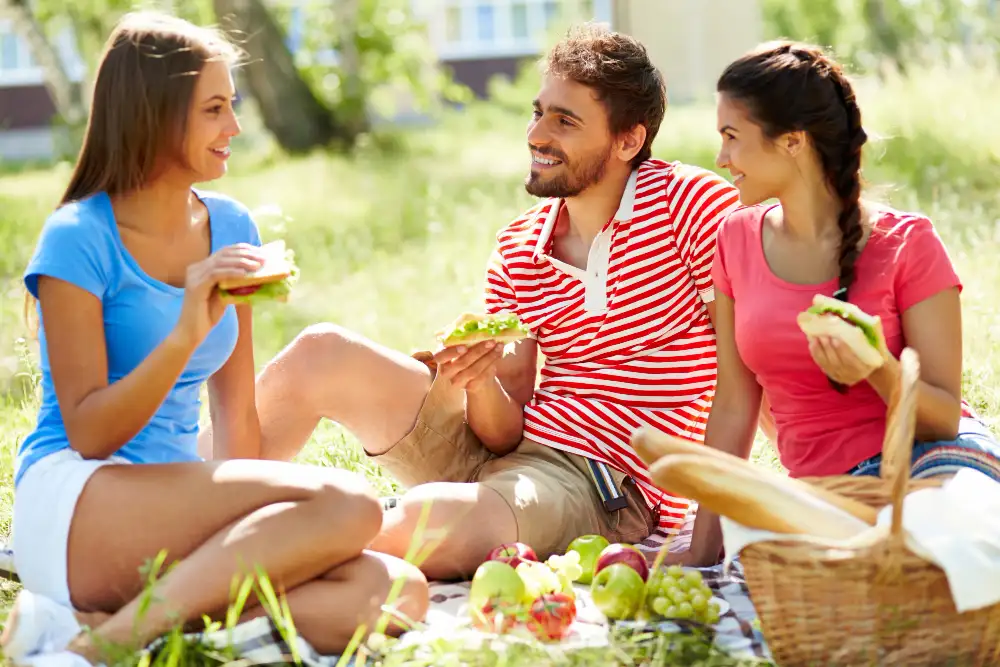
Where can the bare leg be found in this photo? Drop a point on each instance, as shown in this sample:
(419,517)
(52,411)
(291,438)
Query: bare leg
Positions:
(328,610)
(464,521)
(377,393)
(329,372)
(219,520)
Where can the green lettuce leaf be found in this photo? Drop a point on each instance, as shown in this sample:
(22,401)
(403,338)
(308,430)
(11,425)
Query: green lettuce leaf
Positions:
(267,292)
(852,314)
(493,325)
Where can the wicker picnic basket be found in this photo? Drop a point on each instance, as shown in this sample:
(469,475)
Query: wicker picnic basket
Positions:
(874,605)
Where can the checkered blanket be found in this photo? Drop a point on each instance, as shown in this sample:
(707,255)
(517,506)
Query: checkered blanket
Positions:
(259,642)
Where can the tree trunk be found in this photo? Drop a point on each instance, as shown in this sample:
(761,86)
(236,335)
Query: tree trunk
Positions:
(350,65)
(67,95)
(290,110)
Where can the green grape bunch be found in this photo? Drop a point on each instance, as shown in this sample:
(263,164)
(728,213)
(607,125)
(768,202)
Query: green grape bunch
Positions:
(674,592)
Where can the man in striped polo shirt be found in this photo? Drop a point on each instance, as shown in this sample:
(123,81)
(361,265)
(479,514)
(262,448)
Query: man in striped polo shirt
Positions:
(611,271)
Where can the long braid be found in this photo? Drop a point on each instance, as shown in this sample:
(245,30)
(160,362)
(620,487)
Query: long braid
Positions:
(791,87)
(846,179)
(847,183)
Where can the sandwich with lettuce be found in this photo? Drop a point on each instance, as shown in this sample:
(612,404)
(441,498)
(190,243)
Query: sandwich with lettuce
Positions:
(272,281)
(470,329)
(847,323)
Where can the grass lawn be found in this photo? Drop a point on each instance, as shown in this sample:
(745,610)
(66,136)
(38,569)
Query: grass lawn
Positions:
(393,244)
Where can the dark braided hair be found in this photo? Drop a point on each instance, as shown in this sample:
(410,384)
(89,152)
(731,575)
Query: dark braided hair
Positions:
(789,87)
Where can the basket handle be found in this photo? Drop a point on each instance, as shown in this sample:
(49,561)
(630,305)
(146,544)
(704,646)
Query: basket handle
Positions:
(897,447)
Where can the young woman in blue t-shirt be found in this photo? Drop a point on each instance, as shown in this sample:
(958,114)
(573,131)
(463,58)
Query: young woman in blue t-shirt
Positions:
(131,328)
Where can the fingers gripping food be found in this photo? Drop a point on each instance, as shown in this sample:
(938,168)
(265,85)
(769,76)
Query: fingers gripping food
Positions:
(470,329)
(271,282)
(845,322)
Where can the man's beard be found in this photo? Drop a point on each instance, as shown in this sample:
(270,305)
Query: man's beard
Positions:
(574,179)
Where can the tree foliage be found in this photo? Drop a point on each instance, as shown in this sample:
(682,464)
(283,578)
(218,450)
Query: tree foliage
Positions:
(872,34)
(351,58)
(363,55)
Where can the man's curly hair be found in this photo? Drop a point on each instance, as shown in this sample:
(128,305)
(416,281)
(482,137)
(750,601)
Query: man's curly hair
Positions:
(617,67)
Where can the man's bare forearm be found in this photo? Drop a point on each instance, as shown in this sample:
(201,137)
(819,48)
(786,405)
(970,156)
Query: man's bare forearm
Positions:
(495,417)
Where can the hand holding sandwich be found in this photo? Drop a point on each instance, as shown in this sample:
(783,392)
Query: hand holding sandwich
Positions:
(470,358)
(470,368)
(203,306)
(473,345)
(845,342)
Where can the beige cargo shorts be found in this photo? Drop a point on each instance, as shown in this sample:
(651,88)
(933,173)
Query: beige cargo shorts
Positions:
(552,494)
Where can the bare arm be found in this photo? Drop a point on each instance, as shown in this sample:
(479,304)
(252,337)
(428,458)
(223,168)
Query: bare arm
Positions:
(933,328)
(764,421)
(495,410)
(235,424)
(731,426)
(101,418)
(496,389)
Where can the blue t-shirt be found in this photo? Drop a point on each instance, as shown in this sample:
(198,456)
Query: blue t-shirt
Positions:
(80,244)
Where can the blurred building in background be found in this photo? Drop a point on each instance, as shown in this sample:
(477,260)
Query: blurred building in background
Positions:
(689,40)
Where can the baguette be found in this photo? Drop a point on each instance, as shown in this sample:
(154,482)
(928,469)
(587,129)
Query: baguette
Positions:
(652,445)
(758,499)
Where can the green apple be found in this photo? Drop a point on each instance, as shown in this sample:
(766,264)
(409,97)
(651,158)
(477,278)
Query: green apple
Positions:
(589,547)
(495,582)
(617,591)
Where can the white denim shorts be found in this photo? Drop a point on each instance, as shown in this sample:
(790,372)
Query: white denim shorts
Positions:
(44,504)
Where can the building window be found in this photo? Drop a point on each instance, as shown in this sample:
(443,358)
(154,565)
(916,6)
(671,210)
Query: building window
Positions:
(9,49)
(505,28)
(551,8)
(519,20)
(485,23)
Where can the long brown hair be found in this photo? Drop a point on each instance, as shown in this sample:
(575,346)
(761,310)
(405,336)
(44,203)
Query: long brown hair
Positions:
(139,110)
(787,87)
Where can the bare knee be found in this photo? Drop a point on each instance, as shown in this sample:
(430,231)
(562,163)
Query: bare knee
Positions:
(317,350)
(386,593)
(407,594)
(347,508)
(455,525)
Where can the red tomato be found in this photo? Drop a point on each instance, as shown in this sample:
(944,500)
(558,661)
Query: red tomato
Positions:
(551,615)
(497,618)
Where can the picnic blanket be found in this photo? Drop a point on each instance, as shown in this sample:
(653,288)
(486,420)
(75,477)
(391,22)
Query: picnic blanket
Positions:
(260,642)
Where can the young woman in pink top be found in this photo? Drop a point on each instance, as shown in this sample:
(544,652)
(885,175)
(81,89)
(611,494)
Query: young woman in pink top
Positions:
(792,132)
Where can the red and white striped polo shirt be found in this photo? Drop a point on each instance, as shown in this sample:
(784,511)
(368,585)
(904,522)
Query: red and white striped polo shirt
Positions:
(627,341)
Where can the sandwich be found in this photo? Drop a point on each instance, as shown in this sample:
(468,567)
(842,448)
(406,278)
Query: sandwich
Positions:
(470,329)
(271,282)
(847,323)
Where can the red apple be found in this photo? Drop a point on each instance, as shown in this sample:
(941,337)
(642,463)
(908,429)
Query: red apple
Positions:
(513,554)
(623,553)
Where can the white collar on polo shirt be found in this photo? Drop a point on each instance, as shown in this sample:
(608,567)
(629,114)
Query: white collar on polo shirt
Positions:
(595,276)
